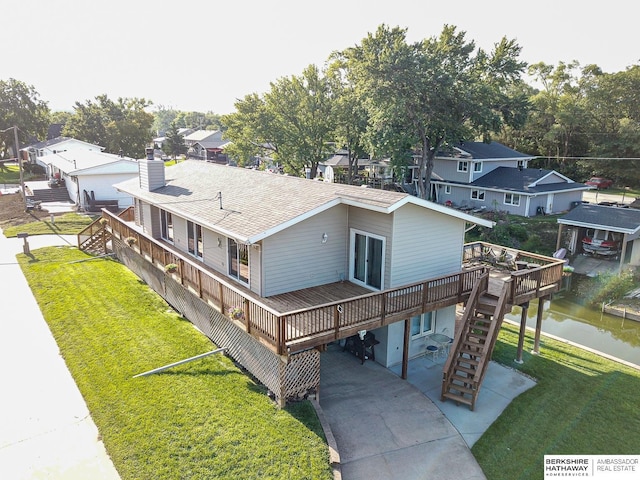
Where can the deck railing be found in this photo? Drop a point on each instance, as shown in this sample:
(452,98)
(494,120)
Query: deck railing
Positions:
(304,328)
(533,275)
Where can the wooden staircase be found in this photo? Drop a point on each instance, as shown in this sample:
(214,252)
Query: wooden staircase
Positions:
(471,350)
(94,238)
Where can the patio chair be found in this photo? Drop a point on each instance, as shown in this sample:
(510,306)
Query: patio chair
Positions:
(433,350)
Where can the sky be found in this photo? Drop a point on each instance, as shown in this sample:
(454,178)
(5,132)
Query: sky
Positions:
(202,55)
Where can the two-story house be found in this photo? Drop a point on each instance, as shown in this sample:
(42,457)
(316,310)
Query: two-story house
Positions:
(490,176)
(295,263)
(206,145)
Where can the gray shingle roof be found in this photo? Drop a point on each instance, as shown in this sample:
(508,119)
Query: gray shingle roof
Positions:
(256,204)
(616,219)
(493,150)
(523,181)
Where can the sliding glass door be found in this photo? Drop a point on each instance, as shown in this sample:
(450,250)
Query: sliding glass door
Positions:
(367,259)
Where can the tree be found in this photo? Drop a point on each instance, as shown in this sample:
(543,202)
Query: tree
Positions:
(433,92)
(350,116)
(123,126)
(248,129)
(199,120)
(21,107)
(163,117)
(293,122)
(174,142)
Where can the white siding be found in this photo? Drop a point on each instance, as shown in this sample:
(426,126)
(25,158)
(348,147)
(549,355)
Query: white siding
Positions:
(151,174)
(425,244)
(180,240)
(296,258)
(214,256)
(102,187)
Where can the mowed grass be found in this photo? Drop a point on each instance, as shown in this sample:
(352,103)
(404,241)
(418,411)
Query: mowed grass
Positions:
(66,224)
(582,404)
(202,420)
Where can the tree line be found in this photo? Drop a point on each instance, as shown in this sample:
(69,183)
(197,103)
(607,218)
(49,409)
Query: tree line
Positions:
(387,97)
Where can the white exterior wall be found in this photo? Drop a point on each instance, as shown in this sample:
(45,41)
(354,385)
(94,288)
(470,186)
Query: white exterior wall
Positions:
(426,244)
(180,240)
(102,186)
(214,256)
(296,258)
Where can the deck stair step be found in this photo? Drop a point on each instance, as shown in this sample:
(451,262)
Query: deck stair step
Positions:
(466,366)
(458,398)
(97,241)
(470,371)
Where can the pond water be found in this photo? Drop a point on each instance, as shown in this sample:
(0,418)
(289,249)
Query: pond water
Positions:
(567,317)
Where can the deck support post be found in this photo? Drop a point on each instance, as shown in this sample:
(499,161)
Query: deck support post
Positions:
(405,349)
(536,342)
(523,329)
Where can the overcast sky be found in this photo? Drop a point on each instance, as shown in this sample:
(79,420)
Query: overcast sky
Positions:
(203,54)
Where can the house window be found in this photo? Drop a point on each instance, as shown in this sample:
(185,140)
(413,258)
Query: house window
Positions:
(167,225)
(422,325)
(194,236)
(463,166)
(512,199)
(477,167)
(447,189)
(238,261)
(477,195)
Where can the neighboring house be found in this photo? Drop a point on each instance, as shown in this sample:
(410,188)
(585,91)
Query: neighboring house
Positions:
(491,176)
(336,168)
(275,234)
(602,224)
(89,176)
(206,145)
(57,145)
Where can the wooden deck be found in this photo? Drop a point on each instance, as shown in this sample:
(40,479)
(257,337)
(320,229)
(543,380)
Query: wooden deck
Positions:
(310,317)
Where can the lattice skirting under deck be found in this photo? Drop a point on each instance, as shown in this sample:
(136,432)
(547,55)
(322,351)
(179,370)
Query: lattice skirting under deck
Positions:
(287,377)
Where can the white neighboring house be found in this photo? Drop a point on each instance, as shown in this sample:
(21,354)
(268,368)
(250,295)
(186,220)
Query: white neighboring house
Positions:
(57,145)
(91,175)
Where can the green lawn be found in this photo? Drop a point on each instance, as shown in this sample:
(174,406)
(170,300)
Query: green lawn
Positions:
(205,419)
(582,404)
(67,224)
(11,174)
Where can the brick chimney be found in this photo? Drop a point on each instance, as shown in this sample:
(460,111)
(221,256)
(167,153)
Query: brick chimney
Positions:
(151,172)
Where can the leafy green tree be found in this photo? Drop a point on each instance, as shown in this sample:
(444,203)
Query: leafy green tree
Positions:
(433,92)
(174,142)
(293,122)
(120,126)
(613,101)
(163,117)
(248,129)
(350,116)
(21,107)
(199,120)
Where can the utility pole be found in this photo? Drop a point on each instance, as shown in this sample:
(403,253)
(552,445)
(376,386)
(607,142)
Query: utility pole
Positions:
(17,147)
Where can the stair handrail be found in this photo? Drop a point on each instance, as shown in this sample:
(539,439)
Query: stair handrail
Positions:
(480,286)
(492,334)
(90,232)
